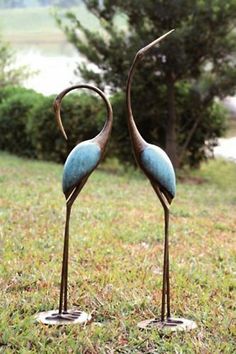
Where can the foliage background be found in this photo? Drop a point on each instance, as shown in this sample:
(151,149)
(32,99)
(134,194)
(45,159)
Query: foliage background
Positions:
(116,246)
(175,88)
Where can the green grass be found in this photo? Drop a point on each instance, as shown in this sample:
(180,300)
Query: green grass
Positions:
(116,259)
(37,28)
(27,20)
(36,19)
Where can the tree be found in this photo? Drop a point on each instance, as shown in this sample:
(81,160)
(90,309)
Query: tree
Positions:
(10,74)
(177,84)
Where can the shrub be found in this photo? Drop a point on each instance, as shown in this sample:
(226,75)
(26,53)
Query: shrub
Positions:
(15,106)
(28,126)
(210,124)
(82,117)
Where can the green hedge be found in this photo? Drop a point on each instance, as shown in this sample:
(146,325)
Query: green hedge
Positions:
(81,119)
(15,107)
(28,126)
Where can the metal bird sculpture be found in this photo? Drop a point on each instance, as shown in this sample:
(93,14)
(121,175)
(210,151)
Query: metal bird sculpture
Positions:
(159,170)
(80,163)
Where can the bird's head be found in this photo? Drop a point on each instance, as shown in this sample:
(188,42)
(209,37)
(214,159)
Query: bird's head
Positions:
(140,54)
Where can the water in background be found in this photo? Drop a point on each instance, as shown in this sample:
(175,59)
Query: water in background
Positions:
(42,46)
(54,60)
(51,73)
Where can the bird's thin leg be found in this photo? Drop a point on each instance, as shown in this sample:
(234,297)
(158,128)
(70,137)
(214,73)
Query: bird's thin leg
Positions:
(167,261)
(163,289)
(64,271)
(64,287)
(68,210)
(164,282)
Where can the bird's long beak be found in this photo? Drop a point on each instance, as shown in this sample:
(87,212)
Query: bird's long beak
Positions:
(56,106)
(152,44)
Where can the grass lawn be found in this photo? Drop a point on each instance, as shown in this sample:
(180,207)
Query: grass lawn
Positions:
(116,259)
(37,25)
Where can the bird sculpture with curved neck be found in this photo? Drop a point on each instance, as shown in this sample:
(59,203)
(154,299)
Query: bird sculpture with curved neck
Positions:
(80,163)
(159,170)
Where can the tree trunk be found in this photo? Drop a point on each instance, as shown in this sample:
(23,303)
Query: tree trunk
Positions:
(171,136)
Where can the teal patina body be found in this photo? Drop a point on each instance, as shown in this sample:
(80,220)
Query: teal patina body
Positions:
(80,163)
(157,164)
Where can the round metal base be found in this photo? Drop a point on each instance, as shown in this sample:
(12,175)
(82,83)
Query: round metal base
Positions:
(169,325)
(65,318)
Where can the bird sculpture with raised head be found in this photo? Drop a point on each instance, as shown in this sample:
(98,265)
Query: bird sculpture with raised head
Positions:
(159,170)
(80,163)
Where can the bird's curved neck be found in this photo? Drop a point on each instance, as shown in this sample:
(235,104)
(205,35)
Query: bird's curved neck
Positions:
(102,138)
(137,140)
